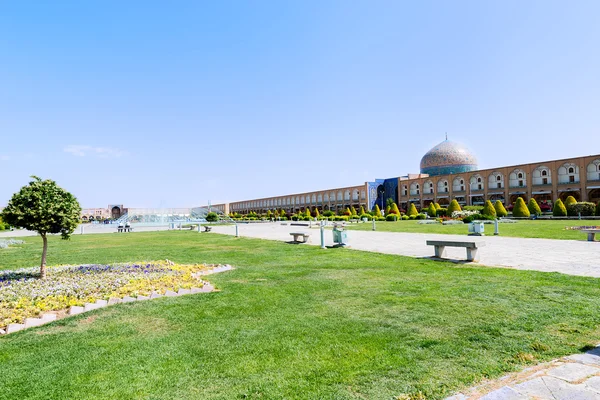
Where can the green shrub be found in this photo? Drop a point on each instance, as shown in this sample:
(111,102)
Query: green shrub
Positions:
(414,216)
(212,217)
(328,213)
(520,208)
(362,210)
(598,209)
(431,210)
(441,212)
(380,218)
(488,209)
(377,211)
(473,208)
(307,218)
(394,209)
(316,213)
(533,207)
(412,210)
(584,208)
(367,216)
(353,211)
(559,209)
(478,217)
(454,206)
(404,217)
(500,210)
(437,206)
(570,200)
(421,216)
(391,217)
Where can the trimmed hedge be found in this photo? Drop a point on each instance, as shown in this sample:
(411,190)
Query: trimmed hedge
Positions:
(441,212)
(534,207)
(431,210)
(394,209)
(488,209)
(500,210)
(598,209)
(391,217)
(520,209)
(454,206)
(559,209)
(584,208)
(570,200)
(412,210)
(377,211)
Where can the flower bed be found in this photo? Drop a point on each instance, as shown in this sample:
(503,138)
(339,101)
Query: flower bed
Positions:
(23,294)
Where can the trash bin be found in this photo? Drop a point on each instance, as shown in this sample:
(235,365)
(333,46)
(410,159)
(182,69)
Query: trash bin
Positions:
(340,235)
(476,228)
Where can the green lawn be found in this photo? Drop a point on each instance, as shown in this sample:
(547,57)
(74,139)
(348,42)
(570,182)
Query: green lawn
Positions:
(295,322)
(523,228)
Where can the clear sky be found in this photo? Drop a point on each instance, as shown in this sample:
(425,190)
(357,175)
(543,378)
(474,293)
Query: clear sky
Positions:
(150,104)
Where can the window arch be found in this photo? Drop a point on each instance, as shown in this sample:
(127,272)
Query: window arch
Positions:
(496,180)
(517,178)
(541,175)
(428,187)
(415,188)
(593,170)
(476,182)
(568,173)
(443,186)
(458,184)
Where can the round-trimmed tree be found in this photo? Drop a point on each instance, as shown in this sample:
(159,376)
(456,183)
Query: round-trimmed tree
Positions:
(377,211)
(46,208)
(559,209)
(437,206)
(431,210)
(412,210)
(488,209)
(533,207)
(520,208)
(454,206)
(570,200)
(394,209)
(500,210)
(212,217)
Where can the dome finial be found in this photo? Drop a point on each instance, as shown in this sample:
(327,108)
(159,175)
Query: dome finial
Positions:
(446,135)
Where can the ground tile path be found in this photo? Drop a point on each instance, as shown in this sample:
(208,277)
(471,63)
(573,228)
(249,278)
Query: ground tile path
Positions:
(575,377)
(573,257)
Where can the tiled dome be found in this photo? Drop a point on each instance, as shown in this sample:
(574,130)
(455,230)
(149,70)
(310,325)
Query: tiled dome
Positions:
(448,158)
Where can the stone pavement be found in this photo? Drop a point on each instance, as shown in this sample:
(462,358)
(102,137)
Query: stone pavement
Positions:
(573,257)
(575,377)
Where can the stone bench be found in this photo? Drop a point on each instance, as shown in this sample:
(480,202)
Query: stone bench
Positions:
(207,228)
(297,235)
(591,234)
(440,248)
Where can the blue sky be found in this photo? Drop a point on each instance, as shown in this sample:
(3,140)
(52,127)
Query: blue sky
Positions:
(150,104)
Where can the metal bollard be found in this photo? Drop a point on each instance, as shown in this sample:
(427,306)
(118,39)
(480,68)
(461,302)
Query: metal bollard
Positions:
(236,231)
(496,227)
(82,229)
(373,223)
(199,226)
(322,234)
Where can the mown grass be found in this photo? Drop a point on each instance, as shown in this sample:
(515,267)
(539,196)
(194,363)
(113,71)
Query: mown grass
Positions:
(295,322)
(541,229)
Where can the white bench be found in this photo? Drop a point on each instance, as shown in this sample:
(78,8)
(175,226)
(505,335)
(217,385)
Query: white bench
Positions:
(440,248)
(297,235)
(591,234)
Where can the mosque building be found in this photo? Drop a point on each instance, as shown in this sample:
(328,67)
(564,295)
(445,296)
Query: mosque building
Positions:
(449,171)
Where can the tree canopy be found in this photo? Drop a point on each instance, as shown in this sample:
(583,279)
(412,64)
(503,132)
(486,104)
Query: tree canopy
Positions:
(46,208)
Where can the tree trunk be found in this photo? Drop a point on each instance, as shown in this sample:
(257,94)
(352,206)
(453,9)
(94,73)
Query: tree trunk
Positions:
(43,266)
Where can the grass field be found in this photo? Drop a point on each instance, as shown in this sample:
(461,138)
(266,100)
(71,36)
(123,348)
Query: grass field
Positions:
(542,229)
(295,322)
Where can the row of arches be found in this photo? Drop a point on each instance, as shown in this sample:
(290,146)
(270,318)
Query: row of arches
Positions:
(353,196)
(540,176)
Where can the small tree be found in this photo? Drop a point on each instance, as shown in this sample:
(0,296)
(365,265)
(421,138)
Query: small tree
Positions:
(520,208)
(394,209)
(437,206)
(387,209)
(377,211)
(559,209)
(307,212)
(412,210)
(488,209)
(44,207)
(431,210)
(353,210)
(283,213)
(347,212)
(500,210)
(212,217)
(389,202)
(269,214)
(362,210)
(317,212)
(570,200)
(533,207)
(454,206)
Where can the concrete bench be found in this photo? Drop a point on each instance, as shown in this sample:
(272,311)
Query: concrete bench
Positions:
(591,234)
(297,235)
(207,228)
(440,248)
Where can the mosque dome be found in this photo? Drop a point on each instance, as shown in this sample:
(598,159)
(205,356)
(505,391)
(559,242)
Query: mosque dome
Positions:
(448,158)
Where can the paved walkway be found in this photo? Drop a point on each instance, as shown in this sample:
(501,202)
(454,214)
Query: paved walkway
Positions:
(575,377)
(574,257)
